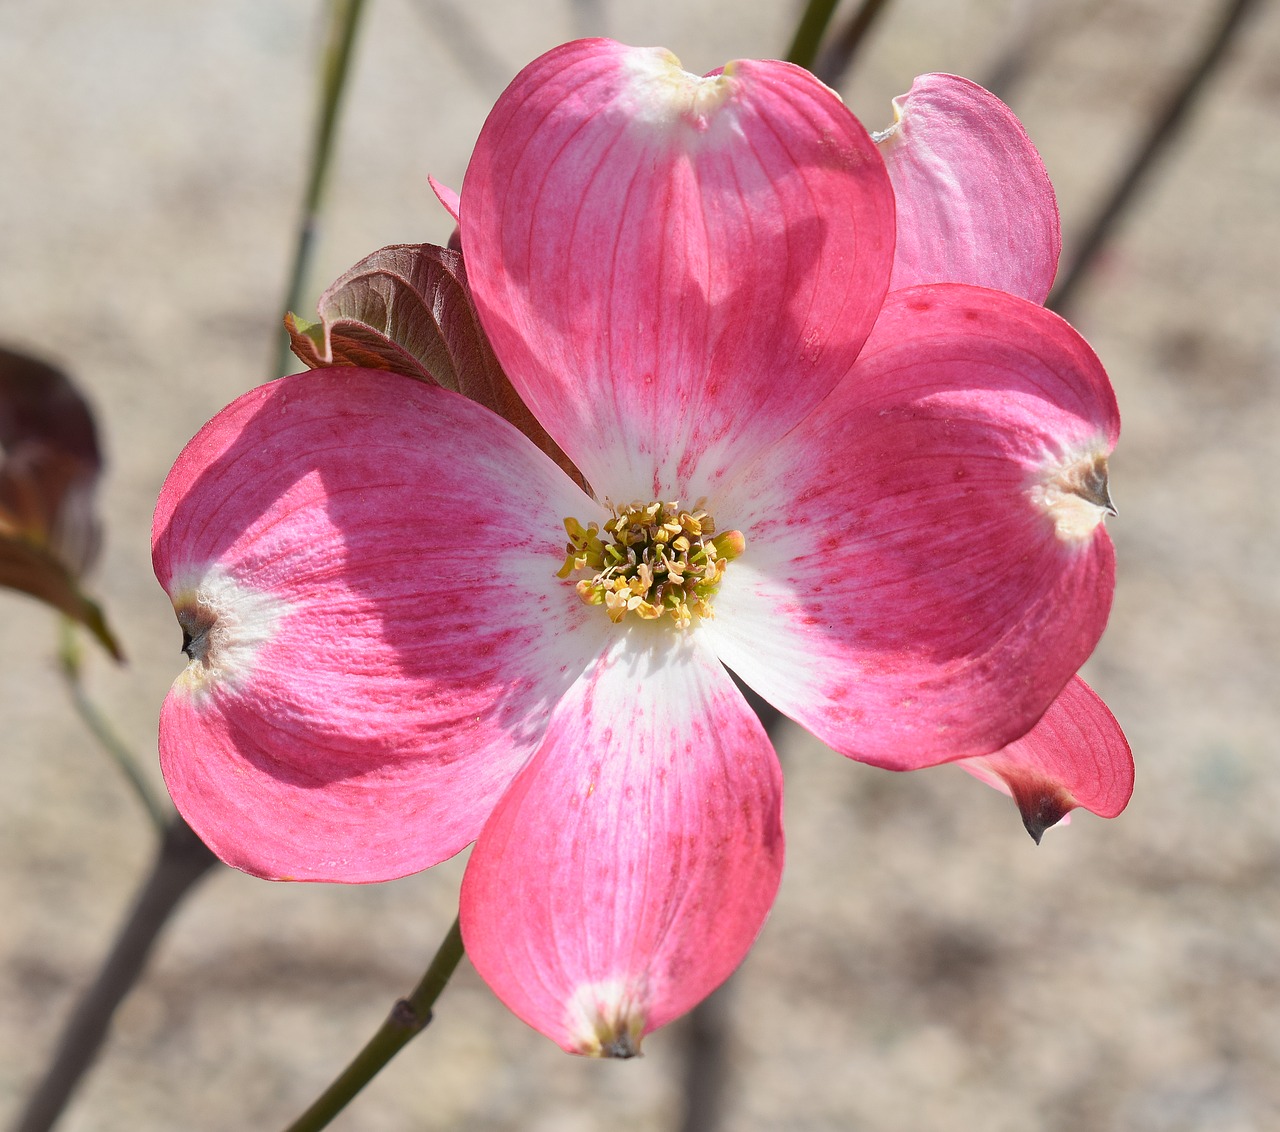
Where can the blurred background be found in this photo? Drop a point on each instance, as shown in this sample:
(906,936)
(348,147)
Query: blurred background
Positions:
(926,967)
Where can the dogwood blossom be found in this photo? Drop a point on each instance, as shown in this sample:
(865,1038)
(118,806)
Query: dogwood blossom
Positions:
(409,629)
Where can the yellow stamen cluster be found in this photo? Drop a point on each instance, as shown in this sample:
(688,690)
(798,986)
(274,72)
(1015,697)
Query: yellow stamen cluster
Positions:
(651,559)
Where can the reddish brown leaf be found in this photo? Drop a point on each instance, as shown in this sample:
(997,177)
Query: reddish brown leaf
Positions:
(408,308)
(49,530)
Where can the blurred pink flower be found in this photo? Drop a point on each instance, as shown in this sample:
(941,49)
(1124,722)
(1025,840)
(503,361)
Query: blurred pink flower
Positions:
(880,508)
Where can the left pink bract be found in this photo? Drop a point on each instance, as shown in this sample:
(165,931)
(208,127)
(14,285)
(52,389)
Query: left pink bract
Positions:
(687,281)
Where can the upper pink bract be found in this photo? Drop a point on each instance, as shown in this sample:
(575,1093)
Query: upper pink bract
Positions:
(687,280)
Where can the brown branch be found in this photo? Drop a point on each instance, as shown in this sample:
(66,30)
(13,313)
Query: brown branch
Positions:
(1162,132)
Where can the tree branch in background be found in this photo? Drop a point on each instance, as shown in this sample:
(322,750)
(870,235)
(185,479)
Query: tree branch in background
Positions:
(70,661)
(1162,132)
(834,61)
(809,32)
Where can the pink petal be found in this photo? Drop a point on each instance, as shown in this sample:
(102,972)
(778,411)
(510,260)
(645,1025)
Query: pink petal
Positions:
(974,201)
(1075,756)
(629,868)
(447,197)
(673,270)
(391,634)
(921,577)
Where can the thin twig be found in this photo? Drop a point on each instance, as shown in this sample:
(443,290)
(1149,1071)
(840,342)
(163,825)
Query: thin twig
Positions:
(467,46)
(706,1062)
(809,32)
(835,60)
(181,860)
(69,660)
(1032,29)
(408,1018)
(343,22)
(1163,130)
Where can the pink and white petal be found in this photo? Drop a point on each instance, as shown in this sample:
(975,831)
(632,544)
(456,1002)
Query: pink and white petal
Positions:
(627,871)
(1075,756)
(975,204)
(364,566)
(673,269)
(925,565)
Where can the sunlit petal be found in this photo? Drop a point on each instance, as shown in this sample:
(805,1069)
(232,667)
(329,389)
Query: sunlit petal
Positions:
(974,201)
(364,569)
(629,868)
(915,586)
(673,269)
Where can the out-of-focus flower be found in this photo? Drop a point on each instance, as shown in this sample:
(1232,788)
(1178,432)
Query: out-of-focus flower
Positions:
(409,629)
(49,529)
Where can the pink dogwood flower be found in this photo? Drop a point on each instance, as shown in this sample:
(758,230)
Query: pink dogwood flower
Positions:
(410,630)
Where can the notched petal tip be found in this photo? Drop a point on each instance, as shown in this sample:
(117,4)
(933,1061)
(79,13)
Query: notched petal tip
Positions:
(1076,495)
(622,1048)
(1042,804)
(1076,756)
(224,625)
(607,1020)
(664,91)
(1087,478)
(882,136)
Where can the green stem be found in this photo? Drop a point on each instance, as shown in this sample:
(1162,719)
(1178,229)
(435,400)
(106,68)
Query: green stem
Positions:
(69,659)
(343,21)
(408,1018)
(813,24)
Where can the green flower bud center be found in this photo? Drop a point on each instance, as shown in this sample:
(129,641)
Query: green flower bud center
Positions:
(651,559)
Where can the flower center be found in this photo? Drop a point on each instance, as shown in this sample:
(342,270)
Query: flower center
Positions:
(651,559)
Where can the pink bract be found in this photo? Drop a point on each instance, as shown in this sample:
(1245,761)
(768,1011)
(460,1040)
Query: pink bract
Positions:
(974,201)
(687,281)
